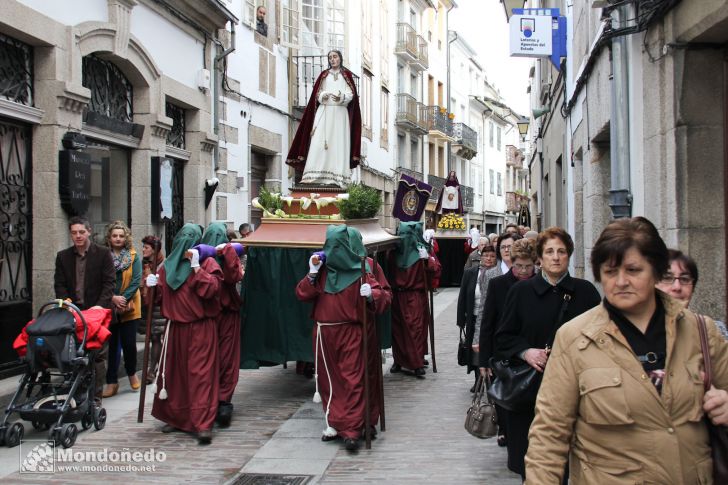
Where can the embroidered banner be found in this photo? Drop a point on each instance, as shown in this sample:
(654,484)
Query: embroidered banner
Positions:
(412,196)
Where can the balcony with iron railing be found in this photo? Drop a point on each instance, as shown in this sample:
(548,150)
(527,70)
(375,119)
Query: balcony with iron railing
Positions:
(307,69)
(466,192)
(422,62)
(406,46)
(466,141)
(438,123)
(408,114)
(514,157)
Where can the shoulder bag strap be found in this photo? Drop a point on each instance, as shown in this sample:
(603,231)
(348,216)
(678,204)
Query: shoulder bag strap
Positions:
(705,348)
(564,305)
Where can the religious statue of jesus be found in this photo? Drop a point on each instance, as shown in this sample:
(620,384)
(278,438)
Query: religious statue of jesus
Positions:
(327,144)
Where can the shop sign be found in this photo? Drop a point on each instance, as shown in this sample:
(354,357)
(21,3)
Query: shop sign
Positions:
(74,181)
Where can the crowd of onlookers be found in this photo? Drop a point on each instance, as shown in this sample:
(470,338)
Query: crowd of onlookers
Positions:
(611,386)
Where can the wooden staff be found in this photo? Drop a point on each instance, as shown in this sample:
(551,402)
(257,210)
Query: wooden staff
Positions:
(367,423)
(432,318)
(382,418)
(147,337)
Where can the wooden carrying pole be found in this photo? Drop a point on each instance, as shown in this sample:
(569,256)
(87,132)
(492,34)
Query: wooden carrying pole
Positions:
(432,317)
(367,423)
(147,337)
(380,376)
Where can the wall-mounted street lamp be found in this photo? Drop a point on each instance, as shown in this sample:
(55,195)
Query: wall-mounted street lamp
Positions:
(523,124)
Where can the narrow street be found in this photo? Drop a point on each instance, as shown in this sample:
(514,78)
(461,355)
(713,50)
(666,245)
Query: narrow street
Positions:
(277,429)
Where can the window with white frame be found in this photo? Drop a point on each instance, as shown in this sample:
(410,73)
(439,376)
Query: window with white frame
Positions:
(366,104)
(384,119)
(492,180)
(290,23)
(490,135)
(366,34)
(500,184)
(249,13)
(335,24)
(498,138)
(312,23)
(384,41)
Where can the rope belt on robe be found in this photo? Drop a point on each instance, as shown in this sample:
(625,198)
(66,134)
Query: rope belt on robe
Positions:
(163,365)
(329,431)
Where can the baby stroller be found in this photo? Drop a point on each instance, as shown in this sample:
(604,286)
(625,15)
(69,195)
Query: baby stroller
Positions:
(59,385)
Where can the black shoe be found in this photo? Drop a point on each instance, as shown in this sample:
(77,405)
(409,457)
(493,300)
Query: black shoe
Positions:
(395,368)
(168,428)
(373,432)
(351,444)
(472,389)
(427,363)
(204,437)
(420,372)
(224,414)
(326,437)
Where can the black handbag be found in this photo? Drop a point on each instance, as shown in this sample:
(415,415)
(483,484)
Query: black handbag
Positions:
(718,434)
(481,420)
(516,383)
(464,350)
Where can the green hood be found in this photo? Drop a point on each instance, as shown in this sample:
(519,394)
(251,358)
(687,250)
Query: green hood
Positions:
(410,240)
(344,250)
(216,233)
(176,267)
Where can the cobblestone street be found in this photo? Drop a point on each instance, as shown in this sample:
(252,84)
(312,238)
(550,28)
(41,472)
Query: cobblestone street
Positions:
(277,429)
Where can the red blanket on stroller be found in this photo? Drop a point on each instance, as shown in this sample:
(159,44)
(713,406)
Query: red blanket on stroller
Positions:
(97,319)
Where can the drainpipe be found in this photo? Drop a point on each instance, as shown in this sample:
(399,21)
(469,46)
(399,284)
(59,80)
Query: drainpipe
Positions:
(449,41)
(216,95)
(620,198)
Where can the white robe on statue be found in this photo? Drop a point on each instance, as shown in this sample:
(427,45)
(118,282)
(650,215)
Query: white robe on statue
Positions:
(328,155)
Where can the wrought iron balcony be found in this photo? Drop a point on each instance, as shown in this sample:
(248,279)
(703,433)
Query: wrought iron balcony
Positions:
(514,157)
(308,69)
(422,62)
(408,114)
(406,46)
(466,140)
(465,191)
(438,123)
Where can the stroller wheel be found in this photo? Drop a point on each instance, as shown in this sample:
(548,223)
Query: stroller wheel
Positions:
(67,435)
(14,434)
(87,420)
(99,418)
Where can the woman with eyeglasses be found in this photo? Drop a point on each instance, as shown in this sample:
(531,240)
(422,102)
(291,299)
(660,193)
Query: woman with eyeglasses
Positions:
(534,309)
(622,399)
(680,280)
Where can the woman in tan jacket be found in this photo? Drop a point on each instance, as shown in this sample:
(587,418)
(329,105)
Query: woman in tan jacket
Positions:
(622,398)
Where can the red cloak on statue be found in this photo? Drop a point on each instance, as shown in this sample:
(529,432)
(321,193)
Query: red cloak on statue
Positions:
(299,148)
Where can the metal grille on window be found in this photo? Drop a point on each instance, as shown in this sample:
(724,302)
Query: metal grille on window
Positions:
(174,224)
(176,136)
(16,71)
(111,91)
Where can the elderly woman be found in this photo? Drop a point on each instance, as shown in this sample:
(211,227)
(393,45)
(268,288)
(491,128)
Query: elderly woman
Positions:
(534,309)
(127,306)
(473,260)
(622,399)
(523,256)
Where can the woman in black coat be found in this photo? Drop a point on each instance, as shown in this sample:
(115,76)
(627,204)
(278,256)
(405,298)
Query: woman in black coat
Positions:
(533,311)
(523,258)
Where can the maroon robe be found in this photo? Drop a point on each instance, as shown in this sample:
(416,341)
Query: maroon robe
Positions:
(228,328)
(343,348)
(299,148)
(411,312)
(191,362)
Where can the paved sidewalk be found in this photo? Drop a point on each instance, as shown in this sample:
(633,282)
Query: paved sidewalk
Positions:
(277,429)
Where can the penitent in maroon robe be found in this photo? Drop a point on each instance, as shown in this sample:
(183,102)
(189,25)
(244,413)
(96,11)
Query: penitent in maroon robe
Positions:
(190,364)
(343,348)
(228,328)
(411,312)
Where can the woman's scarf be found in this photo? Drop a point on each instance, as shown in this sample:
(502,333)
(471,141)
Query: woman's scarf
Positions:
(122,260)
(344,250)
(410,241)
(177,267)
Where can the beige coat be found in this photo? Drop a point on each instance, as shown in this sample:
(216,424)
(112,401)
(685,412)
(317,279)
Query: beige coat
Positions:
(599,409)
